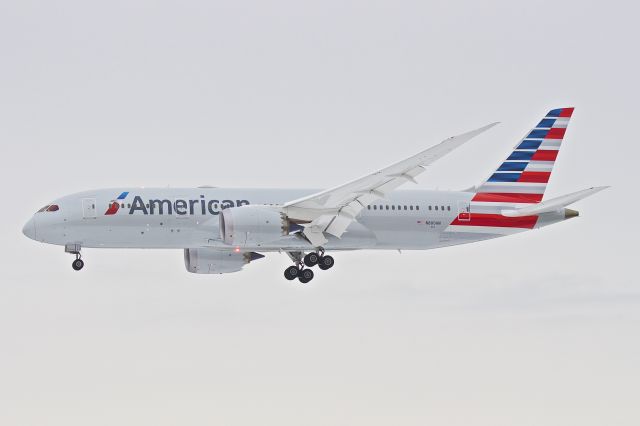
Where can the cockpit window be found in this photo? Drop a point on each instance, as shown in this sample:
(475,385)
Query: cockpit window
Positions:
(49,208)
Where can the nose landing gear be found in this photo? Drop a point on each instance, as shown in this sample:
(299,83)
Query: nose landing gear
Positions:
(74,249)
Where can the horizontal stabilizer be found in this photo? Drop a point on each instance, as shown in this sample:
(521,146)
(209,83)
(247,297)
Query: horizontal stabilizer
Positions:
(554,204)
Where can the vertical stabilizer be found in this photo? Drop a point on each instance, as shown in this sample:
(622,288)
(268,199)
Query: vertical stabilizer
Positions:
(523,176)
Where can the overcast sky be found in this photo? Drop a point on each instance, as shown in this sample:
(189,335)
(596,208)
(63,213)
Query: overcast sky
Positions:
(541,328)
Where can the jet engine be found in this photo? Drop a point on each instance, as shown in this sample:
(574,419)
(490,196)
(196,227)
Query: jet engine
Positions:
(252,225)
(213,261)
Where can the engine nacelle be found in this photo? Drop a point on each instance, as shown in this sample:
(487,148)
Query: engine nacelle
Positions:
(252,225)
(212,261)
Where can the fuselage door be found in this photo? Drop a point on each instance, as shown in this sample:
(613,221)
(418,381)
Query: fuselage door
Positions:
(88,208)
(464,211)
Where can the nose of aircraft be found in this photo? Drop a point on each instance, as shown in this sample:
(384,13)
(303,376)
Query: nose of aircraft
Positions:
(30,229)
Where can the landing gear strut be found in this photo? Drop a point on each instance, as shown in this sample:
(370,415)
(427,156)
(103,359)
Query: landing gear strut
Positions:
(74,249)
(304,275)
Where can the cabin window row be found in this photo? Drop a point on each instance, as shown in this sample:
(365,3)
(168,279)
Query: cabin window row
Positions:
(391,207)
(403,207)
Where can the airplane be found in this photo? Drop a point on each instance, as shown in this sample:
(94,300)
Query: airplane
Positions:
(221,230)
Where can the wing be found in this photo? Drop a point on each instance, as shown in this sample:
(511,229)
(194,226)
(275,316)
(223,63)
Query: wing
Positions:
(331,211)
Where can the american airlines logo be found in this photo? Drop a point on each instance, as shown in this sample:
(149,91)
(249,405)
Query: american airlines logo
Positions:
(178,206)
(114,205)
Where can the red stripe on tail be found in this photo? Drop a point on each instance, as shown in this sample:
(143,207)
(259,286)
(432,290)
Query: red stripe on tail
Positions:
(538,177)
(504,197)
(544,155)
(566,112)
(497,220)
(556,133)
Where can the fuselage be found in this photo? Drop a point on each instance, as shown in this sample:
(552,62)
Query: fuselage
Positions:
(189,218)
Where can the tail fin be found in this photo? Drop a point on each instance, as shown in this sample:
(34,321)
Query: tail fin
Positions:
(523,176)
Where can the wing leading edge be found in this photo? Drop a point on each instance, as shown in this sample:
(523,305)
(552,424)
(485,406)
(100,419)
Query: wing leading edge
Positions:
(331,211)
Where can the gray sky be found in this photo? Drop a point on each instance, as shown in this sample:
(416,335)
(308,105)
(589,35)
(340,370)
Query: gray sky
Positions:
(537,328)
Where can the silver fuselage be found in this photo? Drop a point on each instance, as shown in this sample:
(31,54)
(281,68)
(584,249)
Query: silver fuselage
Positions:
(189,218)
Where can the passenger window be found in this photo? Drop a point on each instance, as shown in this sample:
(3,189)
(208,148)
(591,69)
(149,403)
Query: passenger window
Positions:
(410,207)
(387,206)
(448,208)
(442,207)
(393,207)
(417,207)
(429,208)
(375,207)
(405,207)
(368,207)
(436,207)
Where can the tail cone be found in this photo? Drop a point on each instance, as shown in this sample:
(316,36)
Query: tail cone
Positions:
(568,213)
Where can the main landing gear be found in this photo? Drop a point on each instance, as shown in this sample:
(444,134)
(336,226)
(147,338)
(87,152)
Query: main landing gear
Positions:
(74,249)
(312,259)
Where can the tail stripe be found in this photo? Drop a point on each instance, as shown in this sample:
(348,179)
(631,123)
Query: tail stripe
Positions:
(521,155)
(504,177)
(546,123)
(530,144)
(545,155)
(551,143)
(539,177)
(512,166)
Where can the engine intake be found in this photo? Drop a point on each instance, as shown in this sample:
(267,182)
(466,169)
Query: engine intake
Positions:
(252,225)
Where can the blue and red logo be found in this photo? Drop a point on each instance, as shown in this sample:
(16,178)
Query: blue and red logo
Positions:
(114,205)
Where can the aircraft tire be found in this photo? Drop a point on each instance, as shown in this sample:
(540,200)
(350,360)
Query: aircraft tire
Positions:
(291,273)
(326,262)
(305,276)
(311,259)
(77,264)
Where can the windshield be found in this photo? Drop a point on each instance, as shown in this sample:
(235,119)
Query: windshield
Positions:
(49,208)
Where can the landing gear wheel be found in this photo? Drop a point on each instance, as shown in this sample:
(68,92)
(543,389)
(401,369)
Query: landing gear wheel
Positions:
(311,259)
(77,264)
(305,276)
(291,273)
(326,262)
